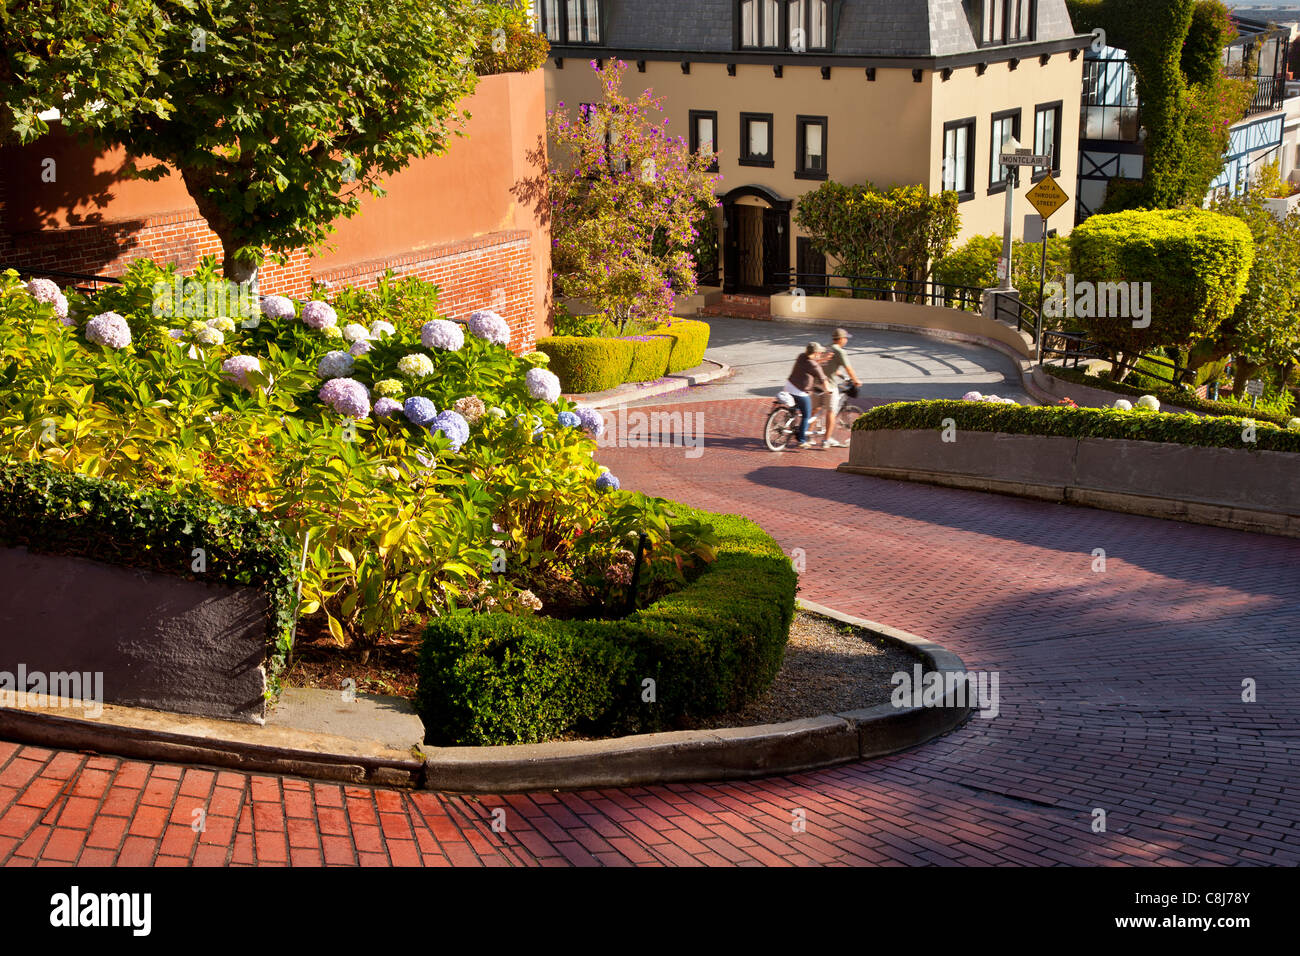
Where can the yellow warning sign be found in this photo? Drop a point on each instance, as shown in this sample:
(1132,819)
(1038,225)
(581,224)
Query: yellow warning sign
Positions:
(1047,197)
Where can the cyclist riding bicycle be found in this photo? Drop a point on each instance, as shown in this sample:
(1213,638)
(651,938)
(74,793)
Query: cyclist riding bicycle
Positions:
(807,375)
(837,363)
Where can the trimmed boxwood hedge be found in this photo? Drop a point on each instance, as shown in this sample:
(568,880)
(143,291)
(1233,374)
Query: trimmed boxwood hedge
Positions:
(690,339)
(587,364)
(54,512)
(710,647)
(1173,396)
(649,358)
(1065,422)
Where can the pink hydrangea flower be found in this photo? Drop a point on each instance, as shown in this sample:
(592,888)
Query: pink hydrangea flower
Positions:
(319,315)
(238,367)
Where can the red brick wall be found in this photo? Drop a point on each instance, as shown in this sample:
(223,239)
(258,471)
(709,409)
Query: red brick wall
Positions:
(494,271)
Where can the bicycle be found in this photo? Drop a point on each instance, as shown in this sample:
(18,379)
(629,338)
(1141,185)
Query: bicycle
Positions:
(783,420)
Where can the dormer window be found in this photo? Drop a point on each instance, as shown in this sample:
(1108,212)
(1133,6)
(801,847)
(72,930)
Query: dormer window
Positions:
(794,25)
(998,22)
(568,21)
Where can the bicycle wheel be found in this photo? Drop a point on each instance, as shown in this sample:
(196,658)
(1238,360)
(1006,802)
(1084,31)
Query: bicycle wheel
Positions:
(779,430)
(848,415)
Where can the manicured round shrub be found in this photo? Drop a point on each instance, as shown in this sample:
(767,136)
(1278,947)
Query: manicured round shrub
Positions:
(587,364)
(1197,262)
(649,357)
(690,339)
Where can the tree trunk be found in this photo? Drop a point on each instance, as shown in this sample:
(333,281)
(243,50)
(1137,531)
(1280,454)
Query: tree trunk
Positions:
(197,184)
(1241,373)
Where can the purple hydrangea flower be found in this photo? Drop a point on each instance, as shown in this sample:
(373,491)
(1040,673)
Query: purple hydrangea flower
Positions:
(359,349)
(441,334)
(319,315)
(487,325)
(335,365)
(387,407)
(110,330)
(542,384)
(237,368)
(346,396)
(569,420)
(592,421)
(538,432)
(607,481)
(277,307)
(454,426)
(420,410)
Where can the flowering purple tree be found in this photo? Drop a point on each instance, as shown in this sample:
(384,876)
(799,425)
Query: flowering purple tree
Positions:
(618,181)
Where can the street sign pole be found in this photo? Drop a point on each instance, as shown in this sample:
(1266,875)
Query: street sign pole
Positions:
(1007,285)
(1042,279)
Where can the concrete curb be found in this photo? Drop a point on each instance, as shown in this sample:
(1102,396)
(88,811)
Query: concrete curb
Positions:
(726,754)
(729,754)
(614,397)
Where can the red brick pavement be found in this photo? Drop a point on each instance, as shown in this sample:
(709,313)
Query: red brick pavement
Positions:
(1120,691)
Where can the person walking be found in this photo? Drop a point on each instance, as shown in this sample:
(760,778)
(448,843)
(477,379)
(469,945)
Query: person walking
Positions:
(837,363)
(806,376)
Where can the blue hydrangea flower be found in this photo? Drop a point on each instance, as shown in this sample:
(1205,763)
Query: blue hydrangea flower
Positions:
(607,481)
(420,410)
(454,426)
(592,421)
(569,420)
(335,365)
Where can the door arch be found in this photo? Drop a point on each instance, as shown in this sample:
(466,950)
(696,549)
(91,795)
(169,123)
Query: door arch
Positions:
(756,247)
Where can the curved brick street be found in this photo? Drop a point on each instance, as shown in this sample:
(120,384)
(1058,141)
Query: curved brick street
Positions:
(1120,691)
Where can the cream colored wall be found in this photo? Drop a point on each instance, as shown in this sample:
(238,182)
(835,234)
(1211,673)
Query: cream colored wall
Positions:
(878,131)
(1001,88)
(888,131)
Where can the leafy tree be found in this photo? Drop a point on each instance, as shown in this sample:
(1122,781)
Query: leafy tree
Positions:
(1188,104)
(891,234)
(975,265)
(625,199)
(1264,330)
(89,60)
(278,114)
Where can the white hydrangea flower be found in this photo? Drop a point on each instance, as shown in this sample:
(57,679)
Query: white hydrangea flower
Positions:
(335,365)
(379,329)
(355,332)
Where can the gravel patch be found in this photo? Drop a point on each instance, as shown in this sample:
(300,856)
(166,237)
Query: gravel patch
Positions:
(829,667)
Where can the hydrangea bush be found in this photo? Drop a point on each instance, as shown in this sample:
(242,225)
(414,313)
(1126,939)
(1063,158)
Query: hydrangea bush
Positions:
(397,514)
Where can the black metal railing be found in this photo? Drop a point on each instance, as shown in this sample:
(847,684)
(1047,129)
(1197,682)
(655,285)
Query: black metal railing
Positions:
(880,289)
(1015,313)
(1073,347)
(1270,91)
(81,281)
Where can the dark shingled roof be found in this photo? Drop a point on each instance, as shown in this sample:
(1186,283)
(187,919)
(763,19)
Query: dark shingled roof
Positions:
(865,27)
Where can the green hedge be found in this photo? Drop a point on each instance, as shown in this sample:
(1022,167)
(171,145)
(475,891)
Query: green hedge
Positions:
(51,511)
(587,364)
(690,339)
(709,647)
(1065,422)
(649,359)
(1167,394)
